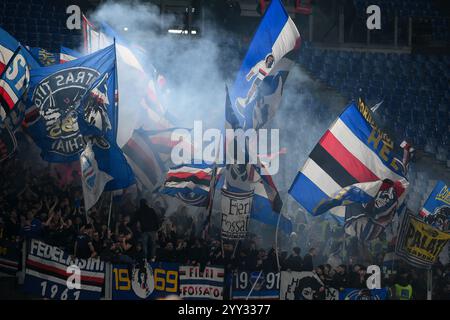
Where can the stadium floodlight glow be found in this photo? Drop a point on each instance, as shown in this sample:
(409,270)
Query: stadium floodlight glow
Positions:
(175,31)
(179,31)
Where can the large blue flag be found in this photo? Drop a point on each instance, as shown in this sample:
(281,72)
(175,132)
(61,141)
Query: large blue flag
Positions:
(54,99)
(98,120)
(257,90)
(348,162)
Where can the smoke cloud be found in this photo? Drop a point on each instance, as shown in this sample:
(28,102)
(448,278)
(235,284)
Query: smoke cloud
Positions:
(195,67)
(197,70)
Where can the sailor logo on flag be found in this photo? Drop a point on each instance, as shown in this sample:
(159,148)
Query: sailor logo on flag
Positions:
(142,281)
(94,113)
(57,98)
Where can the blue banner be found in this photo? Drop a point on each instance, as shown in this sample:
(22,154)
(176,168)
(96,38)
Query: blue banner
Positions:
(144,282)
(256,285)
(49,270)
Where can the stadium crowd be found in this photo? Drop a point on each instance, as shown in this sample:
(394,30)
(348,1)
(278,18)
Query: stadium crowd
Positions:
(33,204)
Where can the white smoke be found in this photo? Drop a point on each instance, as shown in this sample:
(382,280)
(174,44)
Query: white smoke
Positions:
(197,69)
(192,65)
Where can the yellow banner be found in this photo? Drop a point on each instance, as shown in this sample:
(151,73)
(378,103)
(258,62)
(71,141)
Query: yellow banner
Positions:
(420,243)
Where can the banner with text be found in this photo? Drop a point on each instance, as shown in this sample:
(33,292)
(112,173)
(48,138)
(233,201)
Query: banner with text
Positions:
(197,284)
(52,273)
(144,281)
(236,208)
(420,243)
(256,285)
(305,285)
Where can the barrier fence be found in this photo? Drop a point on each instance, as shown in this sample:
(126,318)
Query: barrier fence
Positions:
(48,272)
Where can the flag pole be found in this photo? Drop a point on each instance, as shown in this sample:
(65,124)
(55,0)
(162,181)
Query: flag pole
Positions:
(110,209)
(344,250)
(430,284)
(254,285)
(212,189)
(235,248)
(276,241)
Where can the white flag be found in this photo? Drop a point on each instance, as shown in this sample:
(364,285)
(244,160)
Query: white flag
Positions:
(92,178)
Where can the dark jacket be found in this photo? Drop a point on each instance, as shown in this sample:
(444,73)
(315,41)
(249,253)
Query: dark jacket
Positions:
(308,263)
(148,219)
(294,263)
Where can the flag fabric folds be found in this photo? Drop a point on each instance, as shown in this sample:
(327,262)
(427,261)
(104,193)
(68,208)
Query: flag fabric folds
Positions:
(436,210)
(190,183)
(267,203)
(14,78)
(7,47)
(54,100)
(15,63)
(252,102)
(149,154)
(97,118)
(245,177)
(93,180)
(150,112)
(257,90)
(352,151)
(67,54)
(93,39)
(366,220)
(43,57)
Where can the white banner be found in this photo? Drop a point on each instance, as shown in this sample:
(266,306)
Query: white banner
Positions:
(197,285)
(305,285)
(236,209)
